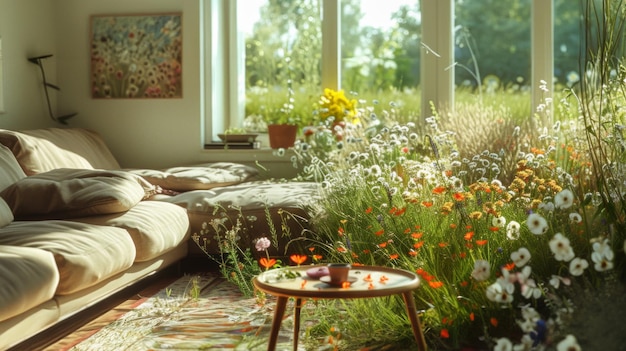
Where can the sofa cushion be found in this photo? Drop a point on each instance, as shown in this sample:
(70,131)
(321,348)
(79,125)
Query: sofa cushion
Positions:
(261,207)
(85,254)
(155,227)
(41,150)
(28,277)
(10,170)
(199,177)
(6,215)
(72,193)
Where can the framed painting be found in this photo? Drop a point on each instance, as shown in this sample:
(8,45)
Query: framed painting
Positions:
(136,56)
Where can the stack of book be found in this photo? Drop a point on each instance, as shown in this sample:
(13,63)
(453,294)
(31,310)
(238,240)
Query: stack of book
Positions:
(233,145)
(235,141)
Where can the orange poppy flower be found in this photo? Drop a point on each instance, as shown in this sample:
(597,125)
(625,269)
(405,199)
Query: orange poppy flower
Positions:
(382,245)
(427,203)
(418,244)
(435,284)
(267,262)
(481,242)
(394,256)
(369,210)
(458,196)
(444,333)
(380,232)
(509,266)
(468,235)
(493,321)
(298,259)
(472,316)
(439,190)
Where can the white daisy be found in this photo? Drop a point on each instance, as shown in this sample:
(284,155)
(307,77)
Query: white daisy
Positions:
(520,257)
(575,217)
(512,230)
(577,266)
(499,222)
(564,199)
(537,224)
(561,248)
(482,270)
(568,344)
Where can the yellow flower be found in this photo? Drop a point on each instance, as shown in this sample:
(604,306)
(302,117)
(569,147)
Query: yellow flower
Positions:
(335,104)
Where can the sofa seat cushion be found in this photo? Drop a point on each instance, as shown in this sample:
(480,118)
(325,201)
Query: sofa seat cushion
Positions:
(72,193)
(155,227)
(199,177)
(28,277)
(41,150)
(261,208)
(85,254)
(248,196)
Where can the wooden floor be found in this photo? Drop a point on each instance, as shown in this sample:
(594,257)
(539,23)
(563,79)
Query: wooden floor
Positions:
(84,329)
(65,335)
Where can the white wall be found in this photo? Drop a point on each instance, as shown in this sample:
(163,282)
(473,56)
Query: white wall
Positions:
(140,132)
(27,28)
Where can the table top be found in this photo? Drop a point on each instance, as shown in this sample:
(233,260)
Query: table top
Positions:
(366,281)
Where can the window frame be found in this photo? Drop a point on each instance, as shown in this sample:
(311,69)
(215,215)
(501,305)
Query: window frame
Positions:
(223,64)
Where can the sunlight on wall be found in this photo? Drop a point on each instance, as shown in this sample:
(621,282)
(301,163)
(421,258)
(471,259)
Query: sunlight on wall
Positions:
(1,81)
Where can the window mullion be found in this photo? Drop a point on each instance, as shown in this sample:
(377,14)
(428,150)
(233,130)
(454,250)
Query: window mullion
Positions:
(542,57)
(331,44)
(437,55)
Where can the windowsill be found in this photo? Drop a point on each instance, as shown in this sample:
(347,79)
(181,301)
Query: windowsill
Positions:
(272,164)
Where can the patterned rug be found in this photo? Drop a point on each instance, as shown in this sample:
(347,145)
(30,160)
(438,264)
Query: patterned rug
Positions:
(218,319)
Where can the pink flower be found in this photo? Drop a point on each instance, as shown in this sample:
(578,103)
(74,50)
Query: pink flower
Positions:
(262,244)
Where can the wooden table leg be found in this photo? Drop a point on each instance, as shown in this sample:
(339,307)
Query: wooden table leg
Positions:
(409,301)
(279,312)
(296,323)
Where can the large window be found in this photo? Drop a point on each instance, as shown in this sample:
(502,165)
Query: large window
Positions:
(379,54)
(270,58)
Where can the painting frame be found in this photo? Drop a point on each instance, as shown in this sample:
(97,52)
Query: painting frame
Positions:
(136,56)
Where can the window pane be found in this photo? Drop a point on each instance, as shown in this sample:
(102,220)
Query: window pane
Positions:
(283,52)
(567,41)
(380,52)
(492,53)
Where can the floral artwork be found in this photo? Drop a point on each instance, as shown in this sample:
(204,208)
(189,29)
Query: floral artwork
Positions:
(136,56)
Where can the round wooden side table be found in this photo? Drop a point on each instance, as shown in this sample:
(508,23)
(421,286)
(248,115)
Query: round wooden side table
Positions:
(366,282)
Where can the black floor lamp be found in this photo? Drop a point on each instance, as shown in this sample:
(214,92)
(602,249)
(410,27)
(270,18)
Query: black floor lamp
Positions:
(37,60)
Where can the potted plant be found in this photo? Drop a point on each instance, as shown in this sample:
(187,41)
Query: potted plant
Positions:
(284,123)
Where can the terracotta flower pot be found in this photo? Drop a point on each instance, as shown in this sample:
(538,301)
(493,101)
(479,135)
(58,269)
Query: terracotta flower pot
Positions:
(282,135)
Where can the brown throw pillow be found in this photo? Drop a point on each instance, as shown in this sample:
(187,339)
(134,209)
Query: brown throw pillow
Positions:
(69,193)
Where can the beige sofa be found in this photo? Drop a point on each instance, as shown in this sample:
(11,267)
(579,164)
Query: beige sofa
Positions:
(76,228)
